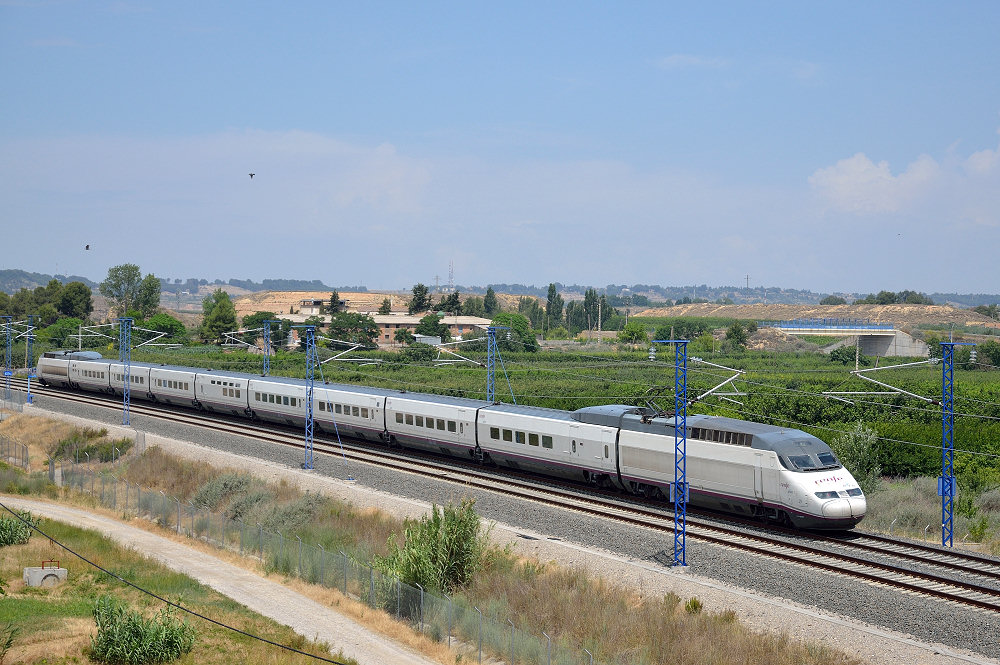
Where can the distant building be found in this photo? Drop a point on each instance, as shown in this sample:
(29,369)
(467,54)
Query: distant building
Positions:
(388,324)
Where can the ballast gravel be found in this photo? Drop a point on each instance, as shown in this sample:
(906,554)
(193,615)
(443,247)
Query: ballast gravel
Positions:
(874,624)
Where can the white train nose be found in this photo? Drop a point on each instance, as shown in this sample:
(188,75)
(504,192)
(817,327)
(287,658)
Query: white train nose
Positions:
(838,509)
(859,506)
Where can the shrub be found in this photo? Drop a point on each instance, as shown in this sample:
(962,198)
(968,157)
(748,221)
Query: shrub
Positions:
(441,552)
(15,531)
(693,606)
(8,633)
(855,448)
(211,494)
(125,636)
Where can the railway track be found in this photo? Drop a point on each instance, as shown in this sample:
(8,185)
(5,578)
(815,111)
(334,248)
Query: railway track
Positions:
(952,576)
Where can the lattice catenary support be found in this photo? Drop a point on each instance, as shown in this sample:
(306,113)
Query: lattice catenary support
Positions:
(492,354)
(29,354)
(125,356)
(946,483)
(680,453)
(312,360)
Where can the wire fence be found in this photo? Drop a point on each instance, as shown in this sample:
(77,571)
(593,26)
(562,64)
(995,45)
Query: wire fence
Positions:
(14,453)
(11,402)
(447,619)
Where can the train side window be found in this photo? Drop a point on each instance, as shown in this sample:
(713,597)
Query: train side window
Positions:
(237,392)
(519,437)
(399,418)
(270,399)
(546,441)
(355,411)
(451,426)
(440,424)
(605,451)
(322,406)
(574,446)
(336,408)
(532,439)
(508,435)
(430,423)
(409,419)
(186,386)
(419,421)
(495,433)
(364,412)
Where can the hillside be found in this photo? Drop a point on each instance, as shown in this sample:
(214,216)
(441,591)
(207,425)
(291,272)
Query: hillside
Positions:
(903,316)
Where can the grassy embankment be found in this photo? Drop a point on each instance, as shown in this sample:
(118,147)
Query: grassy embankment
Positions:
(55,624)
(617,625)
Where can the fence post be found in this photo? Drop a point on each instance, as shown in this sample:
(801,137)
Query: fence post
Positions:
(194,534)
(371,580)
(398,585)
(260,541)
(178,515)
(300,554)
(511,641)
(591,657)
(281,547)
(322,557)
(549,648)
(344,557)
(420,617)
(241,537)
(480,634)
(450,608)
(126,496)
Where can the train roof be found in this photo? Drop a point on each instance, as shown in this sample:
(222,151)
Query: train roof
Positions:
(73,355)
(782,440)
(438,399)
(537,411)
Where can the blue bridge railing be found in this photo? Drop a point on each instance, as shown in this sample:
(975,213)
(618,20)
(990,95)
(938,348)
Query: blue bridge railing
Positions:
(828,324)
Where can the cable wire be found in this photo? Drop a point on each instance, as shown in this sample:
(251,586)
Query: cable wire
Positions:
(160,598)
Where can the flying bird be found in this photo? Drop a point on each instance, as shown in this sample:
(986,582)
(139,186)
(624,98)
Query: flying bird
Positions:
(252,175)
(87,247)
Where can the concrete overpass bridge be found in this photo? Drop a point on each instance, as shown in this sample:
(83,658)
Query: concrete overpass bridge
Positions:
(874,339)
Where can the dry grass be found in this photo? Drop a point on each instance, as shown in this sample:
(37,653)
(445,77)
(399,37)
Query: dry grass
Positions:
(41,435)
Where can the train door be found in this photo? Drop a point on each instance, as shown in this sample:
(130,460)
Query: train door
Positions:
(758,476)
(605,457)
(575,439)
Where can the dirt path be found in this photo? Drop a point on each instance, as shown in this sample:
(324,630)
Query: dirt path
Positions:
(305,616)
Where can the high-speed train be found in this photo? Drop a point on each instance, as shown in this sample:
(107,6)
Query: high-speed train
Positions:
(740,467)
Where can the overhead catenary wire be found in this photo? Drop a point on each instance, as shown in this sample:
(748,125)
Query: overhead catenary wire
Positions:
(171,603)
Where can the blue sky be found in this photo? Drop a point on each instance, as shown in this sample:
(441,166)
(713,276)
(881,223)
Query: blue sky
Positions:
(836,147)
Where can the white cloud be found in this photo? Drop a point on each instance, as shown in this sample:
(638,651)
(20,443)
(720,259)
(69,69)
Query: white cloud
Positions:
(688,61)
(859,185)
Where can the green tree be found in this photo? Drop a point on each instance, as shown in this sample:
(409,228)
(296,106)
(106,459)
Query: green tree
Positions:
(385,307)
(833,300)
(421,300)
(334,305)
(846,354)
(75,301)
(403,336)
(529,307)
(633,333)
(474,306)
(576,316)
(490,303)
(47,314)
(991,311)
(121,287)
(519,337)
(553,307)
(856,450)
(452,303)
(353,327)
(162,322)
(220,315)
(58,334)
(431,325)
(736,336)
(148,298)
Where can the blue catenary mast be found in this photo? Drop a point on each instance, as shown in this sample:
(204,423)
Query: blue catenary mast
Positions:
(267,347)
(125,356)
(492,353)
(29,359)
(680,453)
(946,483)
